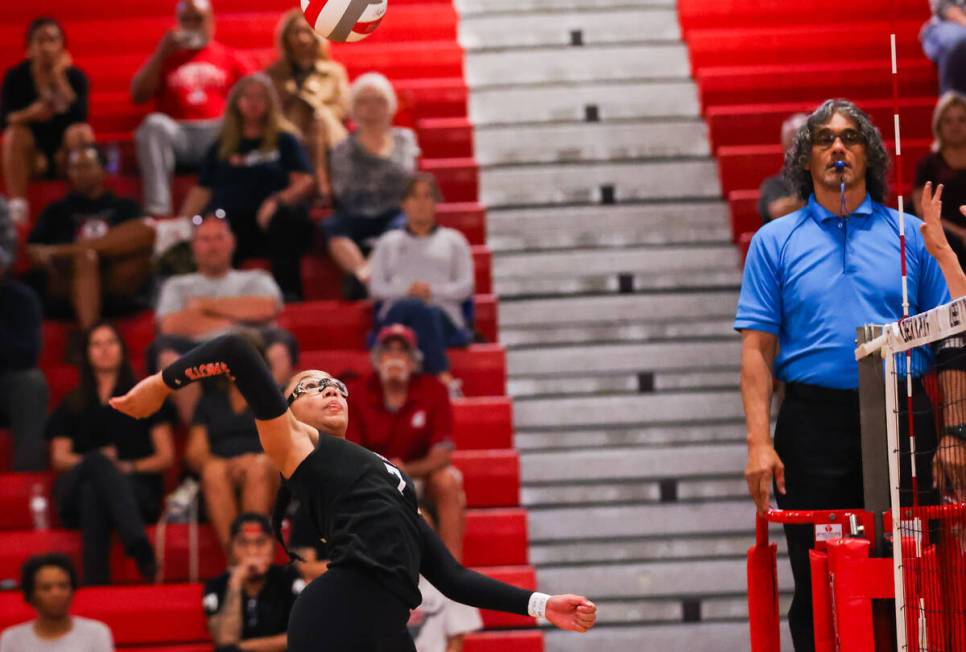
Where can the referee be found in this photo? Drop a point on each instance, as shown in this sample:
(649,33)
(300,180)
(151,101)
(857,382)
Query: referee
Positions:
(811,278)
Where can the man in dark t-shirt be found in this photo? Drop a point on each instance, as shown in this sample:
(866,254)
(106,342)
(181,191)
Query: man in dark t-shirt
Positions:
(251,602)
(91,248)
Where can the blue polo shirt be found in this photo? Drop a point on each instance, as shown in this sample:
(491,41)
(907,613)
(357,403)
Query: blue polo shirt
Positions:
(812,278)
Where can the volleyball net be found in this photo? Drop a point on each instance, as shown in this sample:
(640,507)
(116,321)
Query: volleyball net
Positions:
(924,359)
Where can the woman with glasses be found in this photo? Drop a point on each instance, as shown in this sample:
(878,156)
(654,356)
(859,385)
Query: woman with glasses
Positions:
(363,507)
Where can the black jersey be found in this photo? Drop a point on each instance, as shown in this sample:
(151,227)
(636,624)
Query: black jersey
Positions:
(265,614)
(365,510)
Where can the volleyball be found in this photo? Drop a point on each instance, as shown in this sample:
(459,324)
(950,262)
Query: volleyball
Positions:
(345,21)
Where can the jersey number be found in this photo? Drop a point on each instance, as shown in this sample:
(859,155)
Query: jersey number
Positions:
(394,471)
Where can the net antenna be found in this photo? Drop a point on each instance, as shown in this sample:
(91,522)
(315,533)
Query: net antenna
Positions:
(911,429)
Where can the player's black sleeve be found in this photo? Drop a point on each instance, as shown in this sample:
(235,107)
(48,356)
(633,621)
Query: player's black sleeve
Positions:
(234,356)
(461,584)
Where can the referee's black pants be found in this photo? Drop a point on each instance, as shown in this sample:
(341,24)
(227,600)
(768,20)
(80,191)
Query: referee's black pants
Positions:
(818,439)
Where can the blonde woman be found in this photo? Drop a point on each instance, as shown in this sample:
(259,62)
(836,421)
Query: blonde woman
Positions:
(313,89)
(258,173)
(946,165)
(370,171)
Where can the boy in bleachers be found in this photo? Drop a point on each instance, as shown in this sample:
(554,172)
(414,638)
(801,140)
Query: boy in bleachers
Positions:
(23,387)
(48,583)
(248,606)
(406,416)
(43,110)
(423,275)
(91,250)
(189,76)
(215,299)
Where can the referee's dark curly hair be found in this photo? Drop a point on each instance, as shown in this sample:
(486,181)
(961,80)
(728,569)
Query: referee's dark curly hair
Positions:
(799,154)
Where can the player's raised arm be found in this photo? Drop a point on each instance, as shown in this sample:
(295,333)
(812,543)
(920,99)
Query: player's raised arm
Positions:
(574,613)
(285,440)
(934,236)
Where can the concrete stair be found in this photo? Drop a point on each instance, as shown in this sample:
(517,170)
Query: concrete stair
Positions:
(618,284)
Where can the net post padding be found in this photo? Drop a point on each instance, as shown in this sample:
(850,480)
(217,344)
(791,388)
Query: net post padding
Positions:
(823,615)
(763,617)
(857,580)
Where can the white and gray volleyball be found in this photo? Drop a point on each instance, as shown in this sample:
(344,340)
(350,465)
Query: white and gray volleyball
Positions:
(344,21)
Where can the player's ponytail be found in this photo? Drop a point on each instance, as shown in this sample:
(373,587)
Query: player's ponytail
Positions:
(283,500)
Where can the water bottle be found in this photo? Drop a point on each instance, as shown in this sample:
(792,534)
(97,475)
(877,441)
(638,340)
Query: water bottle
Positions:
(38,507)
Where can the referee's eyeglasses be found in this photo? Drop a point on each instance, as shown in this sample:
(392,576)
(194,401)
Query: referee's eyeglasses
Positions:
(317,386)
(825,138)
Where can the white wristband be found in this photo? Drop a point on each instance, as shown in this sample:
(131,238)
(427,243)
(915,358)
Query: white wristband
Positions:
(538,605)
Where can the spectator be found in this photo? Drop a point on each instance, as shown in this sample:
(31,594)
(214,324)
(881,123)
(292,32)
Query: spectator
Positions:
(23,387)
(369,172)
(90,248)
(282,353)
(943,34)
(810,280)
(189,76)
(423,275)
(224,449)
(43,109)
(439,624)
(314,91)
(947,165)
(216,299)
(778,198)
(110,465)
(48,583)
(248,606)
(257,172)
(406,417)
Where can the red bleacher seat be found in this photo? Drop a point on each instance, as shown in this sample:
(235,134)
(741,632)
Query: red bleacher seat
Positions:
(813,82)
(494,537)
(744,212)
(737,14)
(491,479)
(483,423)
(458,177)
(446,137)
(797,44)
(172,614)
(760,124)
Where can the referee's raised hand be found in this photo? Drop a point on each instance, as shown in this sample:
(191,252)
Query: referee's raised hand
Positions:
(573,613)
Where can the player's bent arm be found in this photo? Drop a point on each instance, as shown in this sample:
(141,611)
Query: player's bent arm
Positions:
(458,583)
(286,441)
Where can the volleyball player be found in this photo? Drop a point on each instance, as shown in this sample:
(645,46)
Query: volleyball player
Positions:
(363,506)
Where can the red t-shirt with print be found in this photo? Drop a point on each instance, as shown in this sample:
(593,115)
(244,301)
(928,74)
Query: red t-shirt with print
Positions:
(195,83)
(425,419)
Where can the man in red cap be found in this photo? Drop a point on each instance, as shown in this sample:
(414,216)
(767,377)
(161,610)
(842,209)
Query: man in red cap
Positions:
(405,416)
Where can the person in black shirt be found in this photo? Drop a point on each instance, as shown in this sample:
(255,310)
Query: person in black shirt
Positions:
(109,465)
(23,387)
(91,247)
(259,174)
(224,450)
(361,505)
(43,110)
(251,602)
(947,166)
(777,197)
